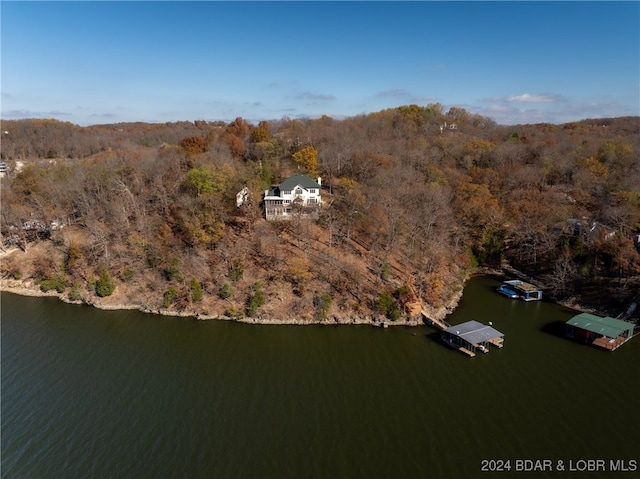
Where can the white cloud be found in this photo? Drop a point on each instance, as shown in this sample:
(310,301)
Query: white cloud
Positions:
(505,114)
(527,98)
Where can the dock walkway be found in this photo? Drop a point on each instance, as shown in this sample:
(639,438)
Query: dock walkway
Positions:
(439,323)
(466,351)
(610,344)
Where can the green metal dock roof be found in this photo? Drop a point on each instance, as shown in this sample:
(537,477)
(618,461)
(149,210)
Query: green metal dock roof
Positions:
(610,327)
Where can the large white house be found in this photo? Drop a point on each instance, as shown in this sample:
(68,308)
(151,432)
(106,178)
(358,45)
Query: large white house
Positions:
(298,194)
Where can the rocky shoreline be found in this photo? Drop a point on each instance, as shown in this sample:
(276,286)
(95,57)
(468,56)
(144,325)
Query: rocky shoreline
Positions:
(30,288)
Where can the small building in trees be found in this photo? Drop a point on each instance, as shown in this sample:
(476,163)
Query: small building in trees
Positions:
(297,195)
(242,197)
(591,230)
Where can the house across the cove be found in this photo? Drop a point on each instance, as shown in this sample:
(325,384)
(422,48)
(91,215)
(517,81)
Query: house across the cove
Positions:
(298,194)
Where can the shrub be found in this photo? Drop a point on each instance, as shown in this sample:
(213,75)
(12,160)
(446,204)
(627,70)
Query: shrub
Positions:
(196,290)
(386,305)
(56,282)
(169,297)
(127,274)
(73,256)
(255,300)
(385,269)
(105,285)
(152,258)
(74,293)
(226,291)
(233,312)
(13,271)
(171,272)
(323,304)
(236,271)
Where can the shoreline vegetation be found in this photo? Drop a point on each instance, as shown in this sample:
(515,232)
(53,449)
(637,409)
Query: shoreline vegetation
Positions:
(169,218)
(30,288)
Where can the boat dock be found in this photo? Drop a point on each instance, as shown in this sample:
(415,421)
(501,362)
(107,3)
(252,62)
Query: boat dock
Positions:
(471,337)
(462,349)
(610,343)
(523,290)
(604,332)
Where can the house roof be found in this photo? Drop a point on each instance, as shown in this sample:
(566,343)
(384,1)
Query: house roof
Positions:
(295,180)
(273,192)
(609,327)
(474,332)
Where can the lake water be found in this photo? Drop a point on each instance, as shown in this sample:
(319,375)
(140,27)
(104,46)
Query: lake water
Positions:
(89,393)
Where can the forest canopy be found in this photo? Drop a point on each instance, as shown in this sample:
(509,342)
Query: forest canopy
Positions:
(416,199)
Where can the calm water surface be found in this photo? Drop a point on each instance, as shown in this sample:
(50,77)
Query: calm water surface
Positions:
(89,393)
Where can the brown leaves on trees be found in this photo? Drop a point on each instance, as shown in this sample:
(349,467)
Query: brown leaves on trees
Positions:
(398,188)
(238,127)
(194,145)
(236,146)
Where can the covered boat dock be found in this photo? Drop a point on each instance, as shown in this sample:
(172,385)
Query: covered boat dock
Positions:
(472,336)
(608,333)
(526,291)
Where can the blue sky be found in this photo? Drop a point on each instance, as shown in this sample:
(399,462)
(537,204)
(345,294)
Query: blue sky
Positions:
(516,62)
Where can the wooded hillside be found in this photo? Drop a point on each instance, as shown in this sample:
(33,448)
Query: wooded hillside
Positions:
(416,199)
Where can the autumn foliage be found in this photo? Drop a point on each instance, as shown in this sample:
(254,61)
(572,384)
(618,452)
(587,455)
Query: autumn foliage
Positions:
(417,197)
(194,145)
(307,158)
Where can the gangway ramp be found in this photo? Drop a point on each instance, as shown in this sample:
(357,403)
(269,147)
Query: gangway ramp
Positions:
(438,323)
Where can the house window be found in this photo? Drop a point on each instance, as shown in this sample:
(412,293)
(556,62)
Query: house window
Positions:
(287,201)
(298,191)
(286,192)
(312,191)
